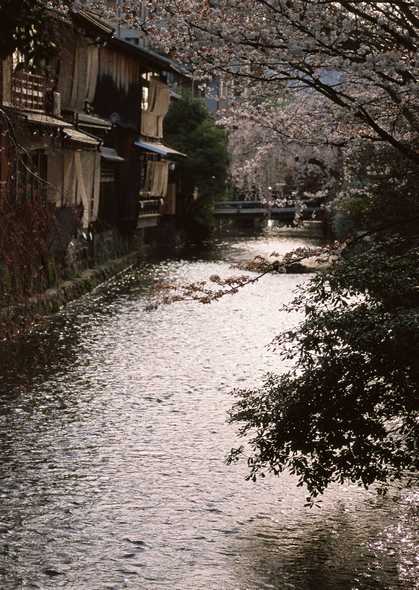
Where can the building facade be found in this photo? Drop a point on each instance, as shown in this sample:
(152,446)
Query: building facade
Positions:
(84,134)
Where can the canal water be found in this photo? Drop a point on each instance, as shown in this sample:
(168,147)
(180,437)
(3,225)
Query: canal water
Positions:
(113,437)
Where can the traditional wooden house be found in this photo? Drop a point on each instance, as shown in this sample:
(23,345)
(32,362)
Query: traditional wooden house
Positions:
(31,126)
(89,126)
(45,151)
(133,95)
(75,172)
(157,158)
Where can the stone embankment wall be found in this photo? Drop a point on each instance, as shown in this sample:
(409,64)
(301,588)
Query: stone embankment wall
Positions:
(88,263)
(14,319)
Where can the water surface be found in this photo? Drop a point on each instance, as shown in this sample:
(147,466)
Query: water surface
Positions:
(112,445)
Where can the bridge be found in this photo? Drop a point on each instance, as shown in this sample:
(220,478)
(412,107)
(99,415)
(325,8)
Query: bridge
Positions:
(256,210)
(242,208)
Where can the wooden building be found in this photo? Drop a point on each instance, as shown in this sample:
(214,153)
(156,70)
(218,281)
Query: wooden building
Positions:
(134,96)
(86,131)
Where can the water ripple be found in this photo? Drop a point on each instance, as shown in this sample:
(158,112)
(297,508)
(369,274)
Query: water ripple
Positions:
(113,438)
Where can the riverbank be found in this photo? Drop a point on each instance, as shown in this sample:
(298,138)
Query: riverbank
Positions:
(15,318)
(18,318)
(308,229)
(85,267)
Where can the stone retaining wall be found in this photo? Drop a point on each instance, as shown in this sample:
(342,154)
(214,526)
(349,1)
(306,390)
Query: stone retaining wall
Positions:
(14,319)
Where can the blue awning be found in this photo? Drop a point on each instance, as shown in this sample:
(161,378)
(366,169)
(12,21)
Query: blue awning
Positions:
(157,148)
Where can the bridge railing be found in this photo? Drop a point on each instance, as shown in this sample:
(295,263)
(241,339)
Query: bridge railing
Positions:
(237,206)
(237,203)
(281,209)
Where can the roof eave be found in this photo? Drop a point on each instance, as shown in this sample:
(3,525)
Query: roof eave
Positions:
(150,57)
(90,21)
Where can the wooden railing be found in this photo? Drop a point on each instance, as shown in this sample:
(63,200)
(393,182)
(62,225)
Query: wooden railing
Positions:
(149,214)
(30,91)
(150,207)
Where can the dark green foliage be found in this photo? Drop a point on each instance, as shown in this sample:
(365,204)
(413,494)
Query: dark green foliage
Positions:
(381,192)
(347,411)
(190,128)
(26,25)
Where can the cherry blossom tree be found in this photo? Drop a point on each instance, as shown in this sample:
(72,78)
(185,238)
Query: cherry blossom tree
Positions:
(271,162)
(360,56)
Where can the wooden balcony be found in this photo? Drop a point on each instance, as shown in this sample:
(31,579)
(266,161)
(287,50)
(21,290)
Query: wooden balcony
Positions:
(30,92)
(149,214)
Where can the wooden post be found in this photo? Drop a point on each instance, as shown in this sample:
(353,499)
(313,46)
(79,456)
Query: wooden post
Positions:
(6,81)
(5,95)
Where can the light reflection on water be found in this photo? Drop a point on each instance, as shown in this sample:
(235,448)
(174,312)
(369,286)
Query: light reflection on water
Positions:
(113,438)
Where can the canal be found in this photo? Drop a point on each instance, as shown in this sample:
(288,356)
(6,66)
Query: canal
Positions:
(112,446)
